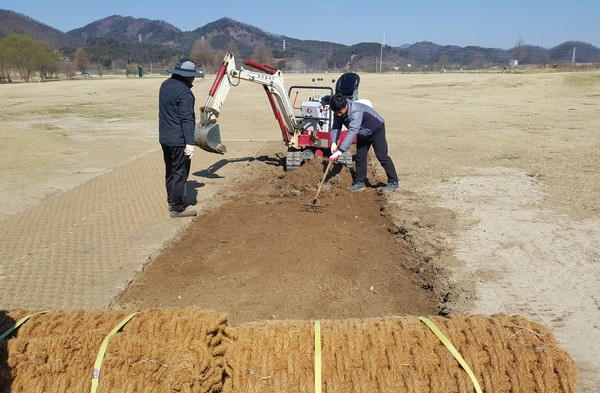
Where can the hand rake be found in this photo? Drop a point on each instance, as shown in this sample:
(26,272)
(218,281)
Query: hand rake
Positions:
(313,204)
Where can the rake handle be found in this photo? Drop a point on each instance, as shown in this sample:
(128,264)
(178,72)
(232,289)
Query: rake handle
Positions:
(323,180)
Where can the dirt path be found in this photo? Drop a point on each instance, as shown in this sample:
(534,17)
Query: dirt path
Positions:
(261,255)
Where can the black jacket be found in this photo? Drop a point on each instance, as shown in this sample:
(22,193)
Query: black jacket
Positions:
(176,117)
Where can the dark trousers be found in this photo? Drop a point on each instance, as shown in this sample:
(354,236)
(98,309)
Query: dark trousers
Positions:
(380,147)
(177,170)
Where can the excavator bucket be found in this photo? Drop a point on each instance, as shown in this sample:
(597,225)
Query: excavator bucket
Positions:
(208,137)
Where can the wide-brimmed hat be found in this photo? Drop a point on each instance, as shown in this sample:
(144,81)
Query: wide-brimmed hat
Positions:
(186,68)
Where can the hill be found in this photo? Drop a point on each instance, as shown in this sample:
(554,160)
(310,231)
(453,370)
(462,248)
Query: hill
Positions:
(125,39)
(15,23)
(475,56)
(128,28)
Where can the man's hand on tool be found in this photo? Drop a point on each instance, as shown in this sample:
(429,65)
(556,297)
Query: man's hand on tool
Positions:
(335,156)
(334,147)
(189,151)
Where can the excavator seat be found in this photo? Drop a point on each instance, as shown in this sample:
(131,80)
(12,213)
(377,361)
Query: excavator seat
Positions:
(347,84)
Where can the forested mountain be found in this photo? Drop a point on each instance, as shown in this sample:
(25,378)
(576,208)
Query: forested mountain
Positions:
(126,27)
(127,39)
(15,23)
(475,56)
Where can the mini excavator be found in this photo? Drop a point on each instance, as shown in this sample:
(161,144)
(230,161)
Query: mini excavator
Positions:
(304,127)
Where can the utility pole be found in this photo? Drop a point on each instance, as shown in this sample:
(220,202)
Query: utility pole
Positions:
(381,55)
(573,57)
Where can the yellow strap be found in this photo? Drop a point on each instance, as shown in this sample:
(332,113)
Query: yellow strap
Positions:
(317,357)
(19,323)
(452,350)
(100,357)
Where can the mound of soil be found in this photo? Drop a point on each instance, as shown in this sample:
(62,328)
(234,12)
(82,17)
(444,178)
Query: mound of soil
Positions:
(262,255)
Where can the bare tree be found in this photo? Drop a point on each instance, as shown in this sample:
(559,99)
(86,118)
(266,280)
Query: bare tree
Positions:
(46,61)
(444,63)
(544,60)
(81,59)
(5,62)
(68,68)
(262,54)
(21,55)
(133,69)
(24,55)
(519,51)
(232,47)
(219,55)
(203,54)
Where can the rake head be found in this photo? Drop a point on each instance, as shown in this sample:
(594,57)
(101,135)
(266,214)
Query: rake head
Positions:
(314,206)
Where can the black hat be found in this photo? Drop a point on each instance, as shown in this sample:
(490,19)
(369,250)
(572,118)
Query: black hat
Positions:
(186,68)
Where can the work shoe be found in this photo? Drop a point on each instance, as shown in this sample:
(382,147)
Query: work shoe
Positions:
(358,186)
(391,187)
(185,213)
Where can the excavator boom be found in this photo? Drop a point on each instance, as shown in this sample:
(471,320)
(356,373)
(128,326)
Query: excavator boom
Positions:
(208,135)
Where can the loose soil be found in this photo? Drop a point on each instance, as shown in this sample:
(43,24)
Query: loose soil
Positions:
(264,254)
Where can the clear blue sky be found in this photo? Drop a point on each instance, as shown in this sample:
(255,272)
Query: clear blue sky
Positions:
(493,24)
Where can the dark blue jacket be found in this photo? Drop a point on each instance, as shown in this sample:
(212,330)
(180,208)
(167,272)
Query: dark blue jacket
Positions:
(176,117)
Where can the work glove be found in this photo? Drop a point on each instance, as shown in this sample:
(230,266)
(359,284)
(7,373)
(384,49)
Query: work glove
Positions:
(334,147)
(335,156)
(189,151)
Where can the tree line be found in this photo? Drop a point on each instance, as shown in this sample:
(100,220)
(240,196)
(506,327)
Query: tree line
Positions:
(24,58)
(21,55)
(209,59)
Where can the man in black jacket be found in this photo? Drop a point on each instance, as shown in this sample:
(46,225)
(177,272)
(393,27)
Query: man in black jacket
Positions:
(176,125)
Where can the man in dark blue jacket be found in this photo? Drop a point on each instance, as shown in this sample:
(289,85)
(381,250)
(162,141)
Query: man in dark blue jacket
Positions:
(176,125)
(368,127)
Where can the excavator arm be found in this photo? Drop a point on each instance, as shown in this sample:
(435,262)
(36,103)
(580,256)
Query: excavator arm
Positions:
(207,135)
(304,123)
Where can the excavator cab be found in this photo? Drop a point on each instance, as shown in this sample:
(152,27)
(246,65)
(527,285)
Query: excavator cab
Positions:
(347,84)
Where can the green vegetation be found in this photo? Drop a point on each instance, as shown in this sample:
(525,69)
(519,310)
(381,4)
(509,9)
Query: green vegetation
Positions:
(21,55)
(90,110)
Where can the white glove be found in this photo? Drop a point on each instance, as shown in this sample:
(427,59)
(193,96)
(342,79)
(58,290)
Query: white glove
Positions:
(334,147)
(335,156)
(189,151)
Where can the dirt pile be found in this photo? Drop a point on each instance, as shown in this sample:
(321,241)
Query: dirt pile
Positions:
(190,350)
